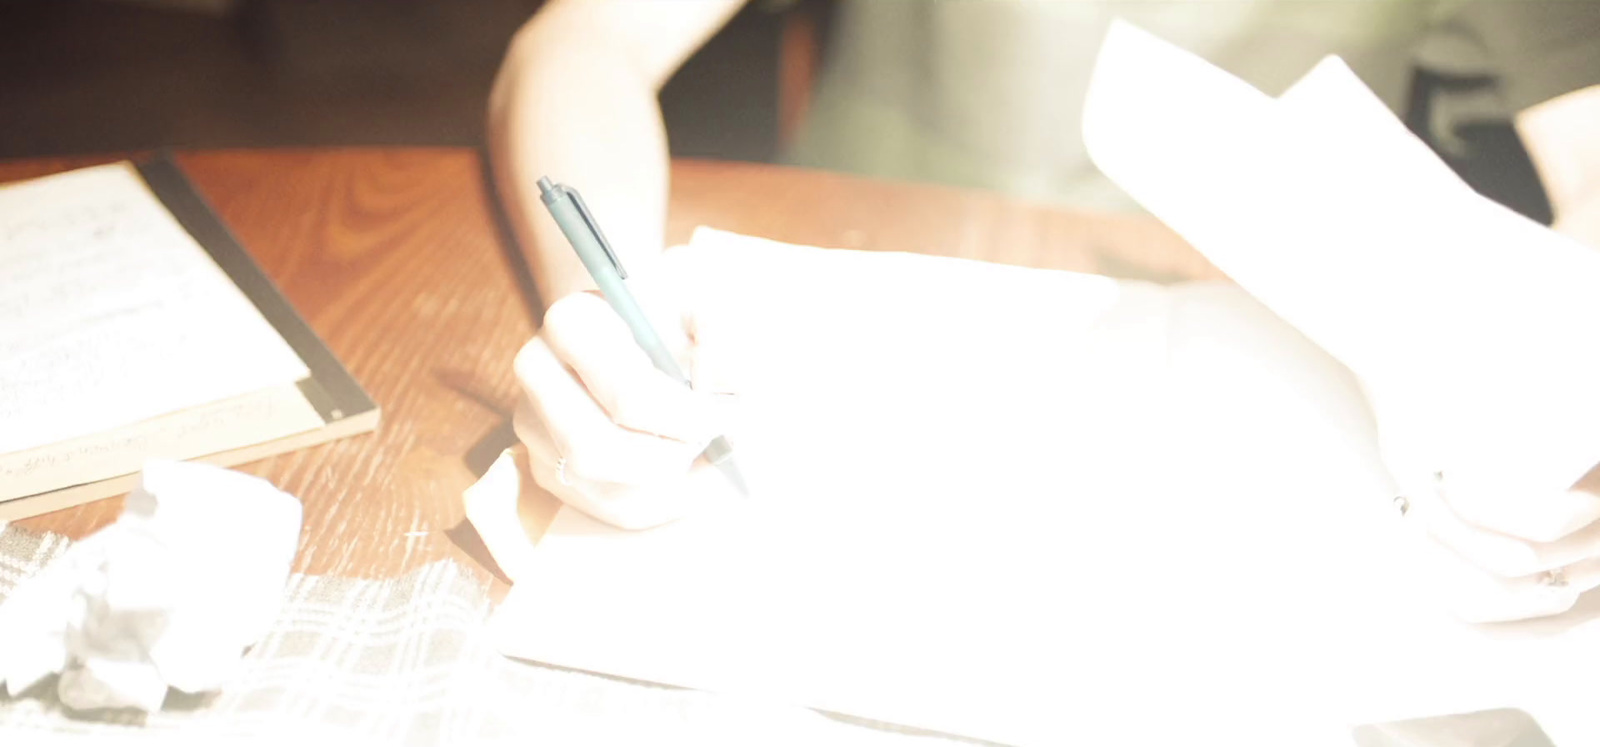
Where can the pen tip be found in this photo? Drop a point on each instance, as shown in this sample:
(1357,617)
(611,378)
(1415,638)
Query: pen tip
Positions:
(545,185)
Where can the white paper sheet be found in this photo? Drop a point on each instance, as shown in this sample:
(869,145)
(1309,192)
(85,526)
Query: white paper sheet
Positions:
(111,314)
(1191,537)
(1470,327)
(1114,546)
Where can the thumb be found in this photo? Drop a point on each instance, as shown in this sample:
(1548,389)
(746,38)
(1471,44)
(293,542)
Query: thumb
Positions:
(660,292)
(705,275)
(1581,221)
(746,302)
(706,285)
(688,293)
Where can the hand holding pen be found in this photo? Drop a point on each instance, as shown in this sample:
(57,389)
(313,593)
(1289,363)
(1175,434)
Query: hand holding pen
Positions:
(608,408)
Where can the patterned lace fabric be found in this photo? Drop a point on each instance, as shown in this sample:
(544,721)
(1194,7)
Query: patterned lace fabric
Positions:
(405,661)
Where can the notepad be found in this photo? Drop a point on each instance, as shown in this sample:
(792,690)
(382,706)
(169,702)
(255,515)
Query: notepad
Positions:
(133,326)
(1189,536)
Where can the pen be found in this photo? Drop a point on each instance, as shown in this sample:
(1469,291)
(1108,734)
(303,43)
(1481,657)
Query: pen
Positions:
(577,223)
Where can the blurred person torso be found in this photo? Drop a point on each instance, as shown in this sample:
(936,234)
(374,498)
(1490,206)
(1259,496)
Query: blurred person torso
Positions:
(989,93)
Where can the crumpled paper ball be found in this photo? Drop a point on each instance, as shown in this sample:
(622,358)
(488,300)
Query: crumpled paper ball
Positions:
(169,595)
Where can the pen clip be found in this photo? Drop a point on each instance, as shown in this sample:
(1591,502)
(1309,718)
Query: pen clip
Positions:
(588,217)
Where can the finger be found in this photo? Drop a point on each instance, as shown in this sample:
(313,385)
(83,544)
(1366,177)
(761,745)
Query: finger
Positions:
(1502,554)
(586,334)
(531,432)
(664,302)
(1581,545)
(1498,554)
(1475,595)
(624,506)
(716,281)
(594,447)
(1544,518)
(642,507)
(731,308)
(717,368)
(1482,598)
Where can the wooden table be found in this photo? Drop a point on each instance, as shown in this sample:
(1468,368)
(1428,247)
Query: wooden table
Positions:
(397,259)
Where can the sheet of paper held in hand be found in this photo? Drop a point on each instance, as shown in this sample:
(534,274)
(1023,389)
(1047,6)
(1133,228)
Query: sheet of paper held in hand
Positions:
(1200,538)
(112,315)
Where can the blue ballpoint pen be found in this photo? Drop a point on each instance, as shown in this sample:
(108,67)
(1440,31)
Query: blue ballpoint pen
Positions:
(577,223)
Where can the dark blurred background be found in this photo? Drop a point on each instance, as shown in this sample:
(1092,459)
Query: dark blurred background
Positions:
(97,76)
(87,76)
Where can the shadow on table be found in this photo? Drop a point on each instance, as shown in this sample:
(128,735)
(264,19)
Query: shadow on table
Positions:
(516,260)
(478,458)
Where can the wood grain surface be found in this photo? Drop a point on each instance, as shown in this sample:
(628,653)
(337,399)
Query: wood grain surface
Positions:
(396,258)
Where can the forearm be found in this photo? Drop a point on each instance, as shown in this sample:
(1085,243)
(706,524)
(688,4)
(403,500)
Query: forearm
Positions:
(1563,137)
(1582,220)
(585,114)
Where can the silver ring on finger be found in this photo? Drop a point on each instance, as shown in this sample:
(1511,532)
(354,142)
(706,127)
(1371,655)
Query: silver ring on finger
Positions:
(1553,578)
(561,471)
